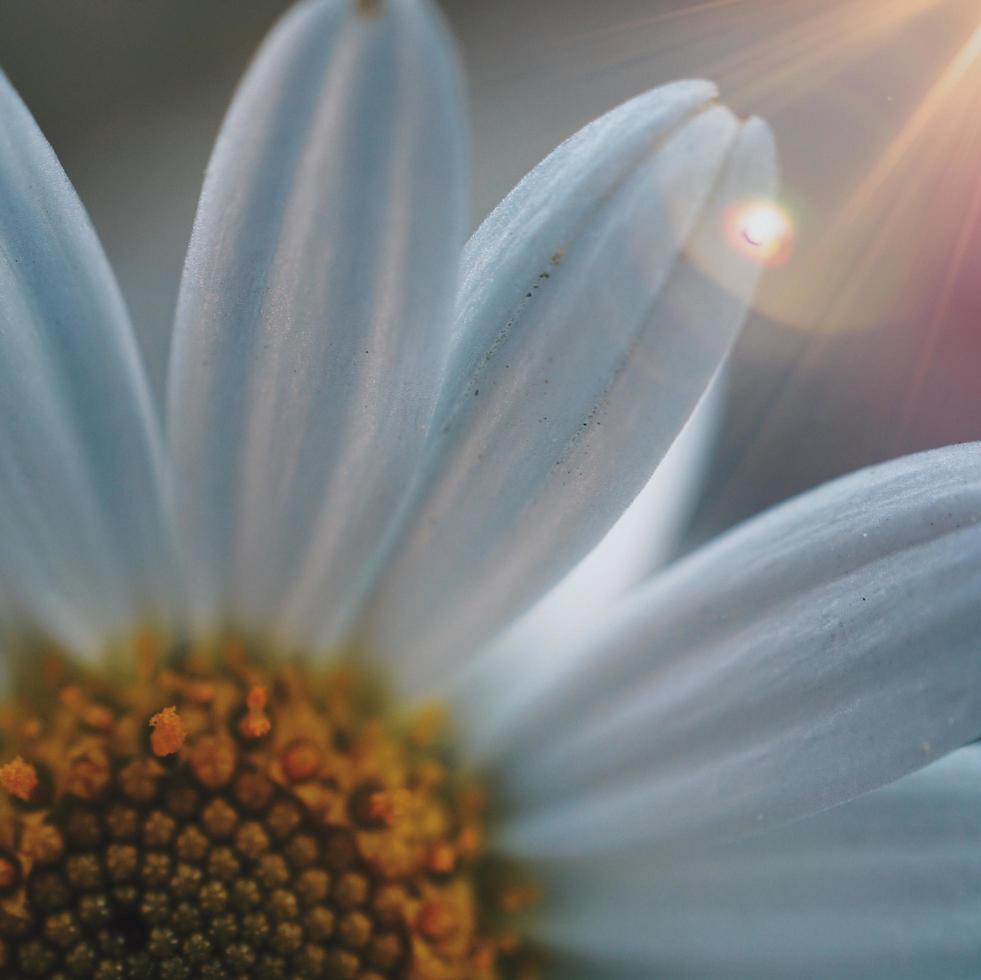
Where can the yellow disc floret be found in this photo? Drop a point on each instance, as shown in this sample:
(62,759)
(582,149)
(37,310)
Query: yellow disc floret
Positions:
(18,778)
(237,821)
(168,735)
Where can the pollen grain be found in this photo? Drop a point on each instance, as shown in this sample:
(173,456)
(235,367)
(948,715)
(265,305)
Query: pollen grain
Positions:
(168,733)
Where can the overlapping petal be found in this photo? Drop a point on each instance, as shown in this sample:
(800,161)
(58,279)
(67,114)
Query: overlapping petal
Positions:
(886,885)
(314,311)
(823,649)
(598,301)
(85,549)
(532,652)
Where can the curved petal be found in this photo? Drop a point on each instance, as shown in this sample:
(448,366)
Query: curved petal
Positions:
(640,541)
(314,311)
(888,885)
(598,301)
(85,551)
(816,652)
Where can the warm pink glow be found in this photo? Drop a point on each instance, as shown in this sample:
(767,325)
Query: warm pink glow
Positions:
(762,231)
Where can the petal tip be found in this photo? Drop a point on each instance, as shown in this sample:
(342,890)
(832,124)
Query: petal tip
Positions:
(758,139)
(708,90)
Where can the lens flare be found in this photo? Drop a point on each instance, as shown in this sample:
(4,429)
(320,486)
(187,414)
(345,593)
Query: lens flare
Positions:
(762,231)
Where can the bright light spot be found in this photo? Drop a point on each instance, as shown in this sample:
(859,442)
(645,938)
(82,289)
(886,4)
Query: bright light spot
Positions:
(762,231)
(763,225)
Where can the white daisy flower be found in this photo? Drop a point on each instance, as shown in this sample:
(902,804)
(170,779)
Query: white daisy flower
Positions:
(224,646)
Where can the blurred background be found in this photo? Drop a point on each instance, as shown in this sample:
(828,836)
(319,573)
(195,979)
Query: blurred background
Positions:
(864,345)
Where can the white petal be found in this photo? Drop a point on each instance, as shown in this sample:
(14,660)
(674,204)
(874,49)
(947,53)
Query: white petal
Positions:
(888,885)
(825,648)
(639,542)
(598,302)
(314,310)
(84,553)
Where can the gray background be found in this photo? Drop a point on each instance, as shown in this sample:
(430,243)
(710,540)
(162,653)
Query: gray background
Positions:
(866,345)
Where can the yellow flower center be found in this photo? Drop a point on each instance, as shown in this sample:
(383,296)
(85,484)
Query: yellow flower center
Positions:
(242,821)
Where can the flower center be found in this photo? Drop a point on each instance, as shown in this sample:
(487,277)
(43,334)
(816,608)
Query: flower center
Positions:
(246,821)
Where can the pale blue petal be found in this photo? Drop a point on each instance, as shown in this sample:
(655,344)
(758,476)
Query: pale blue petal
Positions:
(314,312)
(641,541)
(888,885)
(85,552)
(598,301)
(816,652)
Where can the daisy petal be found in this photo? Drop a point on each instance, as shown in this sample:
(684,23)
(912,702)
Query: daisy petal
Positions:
(887,885)
(85,552)
(823,649)
(597,303)
(315,308)
(642,540)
